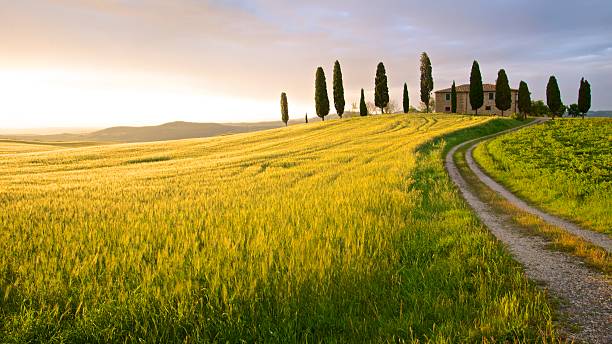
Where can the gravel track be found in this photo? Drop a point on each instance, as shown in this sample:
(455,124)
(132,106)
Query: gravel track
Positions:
(586,294)
(598,239)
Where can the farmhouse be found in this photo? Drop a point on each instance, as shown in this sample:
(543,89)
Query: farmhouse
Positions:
(443,100)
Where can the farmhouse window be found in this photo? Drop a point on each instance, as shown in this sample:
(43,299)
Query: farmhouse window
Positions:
(491,95)
(447,96)
(488,108)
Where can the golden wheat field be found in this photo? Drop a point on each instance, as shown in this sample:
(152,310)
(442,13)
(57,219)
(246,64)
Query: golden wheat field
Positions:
(343,231)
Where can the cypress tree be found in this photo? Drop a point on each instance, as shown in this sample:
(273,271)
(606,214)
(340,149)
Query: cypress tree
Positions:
(453,98)
(338,90)
(426,80)
(321,97)
(503,95)
(381,90)
(553,96)
(284,108)
(524,99)
(584,97)
(406,99)
(363,108)
(306,117)
(476,91)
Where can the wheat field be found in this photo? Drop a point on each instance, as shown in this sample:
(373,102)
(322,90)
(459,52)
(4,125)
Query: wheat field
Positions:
(342,231)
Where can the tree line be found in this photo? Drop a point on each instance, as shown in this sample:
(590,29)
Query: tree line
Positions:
(503,94)
(381,92)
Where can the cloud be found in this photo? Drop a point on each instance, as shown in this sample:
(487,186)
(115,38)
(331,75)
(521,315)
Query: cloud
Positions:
(257,48)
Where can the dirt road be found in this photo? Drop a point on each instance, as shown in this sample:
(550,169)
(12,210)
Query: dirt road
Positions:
(586,294)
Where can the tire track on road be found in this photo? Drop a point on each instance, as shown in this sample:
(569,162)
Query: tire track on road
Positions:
(586,293)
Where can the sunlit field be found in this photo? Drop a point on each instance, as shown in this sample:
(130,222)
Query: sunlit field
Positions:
(346,231)
(563,166)
(17,146)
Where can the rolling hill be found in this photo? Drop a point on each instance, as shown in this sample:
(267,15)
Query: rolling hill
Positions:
(603,113)
(163,132)
(342,231)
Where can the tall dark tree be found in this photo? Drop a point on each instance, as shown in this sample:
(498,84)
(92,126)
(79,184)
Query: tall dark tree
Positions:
(524,99)
(584,97)
(406,99)
(338,90)
(503,94)
(427,83)
(321,97)
(363,108)
(453,98)
(476,91)
(306,117)
(553,97)
(284,108)
(381,90)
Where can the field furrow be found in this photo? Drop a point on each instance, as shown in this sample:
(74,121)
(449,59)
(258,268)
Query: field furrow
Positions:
(347,230)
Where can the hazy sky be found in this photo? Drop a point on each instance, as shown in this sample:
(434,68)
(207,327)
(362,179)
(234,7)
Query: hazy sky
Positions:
(109,62)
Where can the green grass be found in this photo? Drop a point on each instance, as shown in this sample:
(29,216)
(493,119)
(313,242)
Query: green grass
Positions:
(560,240)
(343,231)
(563,166)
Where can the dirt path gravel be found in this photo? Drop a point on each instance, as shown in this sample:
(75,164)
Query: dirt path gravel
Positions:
(586,294)
(595,238)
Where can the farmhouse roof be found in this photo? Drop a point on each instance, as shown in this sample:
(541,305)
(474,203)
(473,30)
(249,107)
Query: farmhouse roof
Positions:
(465,88)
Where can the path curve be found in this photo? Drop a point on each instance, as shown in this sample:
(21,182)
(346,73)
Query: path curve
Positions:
(595,238)
(586,293)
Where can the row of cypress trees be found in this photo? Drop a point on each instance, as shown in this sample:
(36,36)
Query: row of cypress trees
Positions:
(555,105)
(381,91)
(503,94)
(321,98)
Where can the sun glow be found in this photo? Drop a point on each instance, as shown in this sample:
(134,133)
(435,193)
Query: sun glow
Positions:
(31,98)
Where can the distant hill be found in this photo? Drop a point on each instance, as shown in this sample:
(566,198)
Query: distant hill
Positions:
(167,131)
(604,113)
(175,131)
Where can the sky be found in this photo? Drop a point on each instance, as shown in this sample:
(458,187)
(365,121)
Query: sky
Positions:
(97,63)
